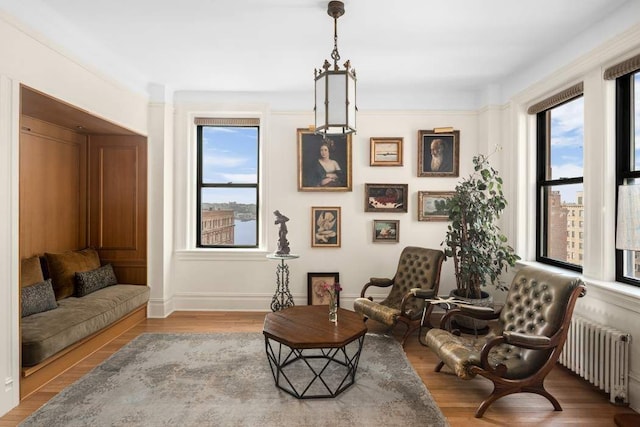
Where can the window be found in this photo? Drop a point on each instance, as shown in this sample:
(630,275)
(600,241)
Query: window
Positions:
(227,183)
(559,178)
(628,160)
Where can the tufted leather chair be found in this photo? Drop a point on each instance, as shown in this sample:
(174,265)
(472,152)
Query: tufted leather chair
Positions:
(418,268)
(523,345)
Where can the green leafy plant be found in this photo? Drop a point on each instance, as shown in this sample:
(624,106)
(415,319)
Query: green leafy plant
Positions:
(479,249)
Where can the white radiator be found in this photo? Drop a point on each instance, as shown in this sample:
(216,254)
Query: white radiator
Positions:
(599,354)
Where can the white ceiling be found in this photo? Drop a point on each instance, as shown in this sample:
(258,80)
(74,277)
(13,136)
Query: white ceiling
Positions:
(274,45)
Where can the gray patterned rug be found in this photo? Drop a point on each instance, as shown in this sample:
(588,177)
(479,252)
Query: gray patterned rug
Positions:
(225,380)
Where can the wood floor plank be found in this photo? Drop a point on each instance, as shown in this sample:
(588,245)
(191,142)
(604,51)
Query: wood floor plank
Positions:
(458,399)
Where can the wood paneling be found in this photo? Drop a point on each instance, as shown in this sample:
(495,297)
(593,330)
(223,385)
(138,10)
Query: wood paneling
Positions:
(118,203)
(52,188)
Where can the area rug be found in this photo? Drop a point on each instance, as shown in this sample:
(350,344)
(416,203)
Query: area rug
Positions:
(224,379)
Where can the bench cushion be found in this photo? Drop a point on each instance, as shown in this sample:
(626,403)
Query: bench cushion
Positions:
(44,334)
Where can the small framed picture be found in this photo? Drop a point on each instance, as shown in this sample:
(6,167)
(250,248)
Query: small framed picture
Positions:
(386,231)
(324,163)
(386,197)
(431,205)
(325,227)
(317,284)
(438,153)
(386,152)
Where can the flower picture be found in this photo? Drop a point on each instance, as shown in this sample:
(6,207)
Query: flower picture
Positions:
(322,288)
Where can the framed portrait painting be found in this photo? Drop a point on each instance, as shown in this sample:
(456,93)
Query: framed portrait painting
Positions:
(438,153)
(317,284)
(386,152)
(386,231)
(386,197)
(431,205)
(324,163)
(325,227)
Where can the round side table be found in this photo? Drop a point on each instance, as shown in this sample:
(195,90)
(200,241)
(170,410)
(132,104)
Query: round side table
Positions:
(282,298)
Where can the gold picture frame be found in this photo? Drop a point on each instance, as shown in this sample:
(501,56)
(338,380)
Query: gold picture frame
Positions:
(326,223)
(386,151)
(324,163)
(386,231)
(446,163)
(428,209)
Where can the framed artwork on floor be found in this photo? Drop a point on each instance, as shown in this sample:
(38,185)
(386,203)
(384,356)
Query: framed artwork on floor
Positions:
(324,163)
(438,153)
(317,288)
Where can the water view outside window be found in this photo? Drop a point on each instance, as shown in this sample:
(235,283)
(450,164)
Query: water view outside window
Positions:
(228,186)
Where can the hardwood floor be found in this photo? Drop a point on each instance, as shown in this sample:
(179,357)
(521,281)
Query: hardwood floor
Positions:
(583,404)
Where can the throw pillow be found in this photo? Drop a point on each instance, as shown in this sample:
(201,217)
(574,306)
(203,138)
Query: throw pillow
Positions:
(30,271)
(63,266)
(91,281)
(37,298)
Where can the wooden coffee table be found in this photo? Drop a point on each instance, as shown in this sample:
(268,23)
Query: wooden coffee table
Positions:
(309,356)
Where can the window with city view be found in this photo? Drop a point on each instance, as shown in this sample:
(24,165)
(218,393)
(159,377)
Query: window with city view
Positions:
(560,205)
(228,153)
(628,161)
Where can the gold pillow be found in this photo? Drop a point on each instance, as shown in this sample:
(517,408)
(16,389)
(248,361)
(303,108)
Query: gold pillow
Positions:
(30,271)
(63,267)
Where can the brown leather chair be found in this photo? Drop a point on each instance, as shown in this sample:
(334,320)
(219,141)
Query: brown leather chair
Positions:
(418,268)
(523,345)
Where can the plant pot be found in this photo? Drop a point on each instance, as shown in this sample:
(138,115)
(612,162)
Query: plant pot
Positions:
(467,324)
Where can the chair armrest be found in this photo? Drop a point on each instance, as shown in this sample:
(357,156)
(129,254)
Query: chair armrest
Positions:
(423,293)
(378,282)
(535,342)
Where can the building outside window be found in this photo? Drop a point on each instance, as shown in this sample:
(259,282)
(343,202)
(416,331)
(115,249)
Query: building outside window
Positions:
(227,183)
(560,207)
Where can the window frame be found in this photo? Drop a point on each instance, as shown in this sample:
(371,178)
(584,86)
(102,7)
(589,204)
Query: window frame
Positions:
(200,185)
(624,143)
(543,142)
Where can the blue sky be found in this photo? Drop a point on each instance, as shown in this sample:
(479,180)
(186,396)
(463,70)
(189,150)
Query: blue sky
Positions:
(229,154)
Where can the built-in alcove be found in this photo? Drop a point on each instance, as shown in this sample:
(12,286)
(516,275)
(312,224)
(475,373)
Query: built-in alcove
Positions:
(83,183)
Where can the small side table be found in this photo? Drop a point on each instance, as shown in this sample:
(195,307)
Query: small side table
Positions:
(282,298)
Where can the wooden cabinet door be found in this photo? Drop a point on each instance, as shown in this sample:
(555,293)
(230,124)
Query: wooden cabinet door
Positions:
(117,170)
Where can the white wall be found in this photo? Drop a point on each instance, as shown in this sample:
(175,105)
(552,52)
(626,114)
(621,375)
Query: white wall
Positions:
(215,280)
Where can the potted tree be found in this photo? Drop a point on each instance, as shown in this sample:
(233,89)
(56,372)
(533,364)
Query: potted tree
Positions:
(479,249)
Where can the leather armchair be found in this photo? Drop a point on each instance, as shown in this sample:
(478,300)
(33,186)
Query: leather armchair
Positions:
(523,344)
(418,272)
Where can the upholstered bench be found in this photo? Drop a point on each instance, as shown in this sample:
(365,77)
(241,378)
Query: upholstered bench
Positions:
(70,306)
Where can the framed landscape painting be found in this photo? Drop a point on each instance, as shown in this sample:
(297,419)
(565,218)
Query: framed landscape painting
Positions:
(324,163)
(430,205)
(316,288)
(386,197)
(386,231)
(386,152)
(438,153)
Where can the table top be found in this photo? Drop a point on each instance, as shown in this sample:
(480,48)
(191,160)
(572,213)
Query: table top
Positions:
(308,326)
(283,257)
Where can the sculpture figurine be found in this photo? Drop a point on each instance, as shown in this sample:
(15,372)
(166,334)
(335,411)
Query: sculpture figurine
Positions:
(283,243)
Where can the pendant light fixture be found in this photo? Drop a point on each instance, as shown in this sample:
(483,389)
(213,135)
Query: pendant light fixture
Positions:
(335,97)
